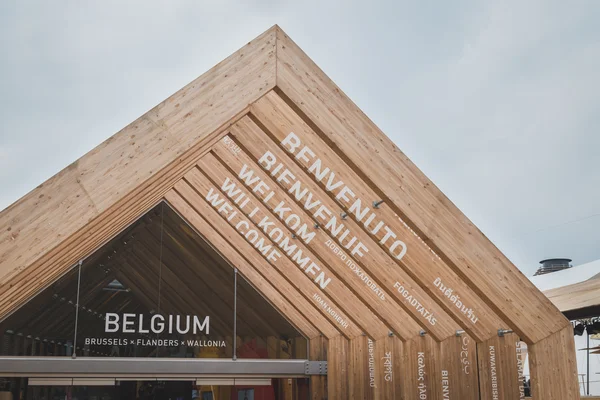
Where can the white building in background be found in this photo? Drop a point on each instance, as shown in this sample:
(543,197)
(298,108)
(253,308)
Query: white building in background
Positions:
(571,289)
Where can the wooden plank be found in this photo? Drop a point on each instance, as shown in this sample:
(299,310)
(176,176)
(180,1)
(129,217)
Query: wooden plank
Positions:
(389,368)
(337,369)
(413,196)
(339,261)
(392,280)
(248,232)
(318,352)
(498,373)
(304,147)
(62,206)
(280,302)
(361,369)
(553,367)
(101,229)
(260,268)
(59,207)
(459,379)
(313,247)
(422,369)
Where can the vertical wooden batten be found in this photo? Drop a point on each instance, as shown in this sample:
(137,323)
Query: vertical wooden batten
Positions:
(318,383)
(553,367)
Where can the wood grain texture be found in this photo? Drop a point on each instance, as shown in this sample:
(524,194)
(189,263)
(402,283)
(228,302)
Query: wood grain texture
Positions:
(265,272)
(420,262)
(413,196)
(361,375)
(338,353)
(374,262)
(389,368)
(57,209)
(283,305)
(261,215)
(498,372)
(459,378)
(553,367)
(318,352)
(422,373)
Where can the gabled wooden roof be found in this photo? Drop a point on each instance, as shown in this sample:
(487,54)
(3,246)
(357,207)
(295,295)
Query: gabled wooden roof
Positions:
(231,116)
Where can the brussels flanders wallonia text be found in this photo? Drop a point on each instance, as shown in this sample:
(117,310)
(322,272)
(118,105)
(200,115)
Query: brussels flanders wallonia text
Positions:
(128,323)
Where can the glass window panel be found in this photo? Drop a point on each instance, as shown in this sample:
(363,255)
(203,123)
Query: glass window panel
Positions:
(156,290)
(262,332)
(44,326)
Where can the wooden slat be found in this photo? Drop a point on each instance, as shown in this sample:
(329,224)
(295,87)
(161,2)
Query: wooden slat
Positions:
(223,247)
(459,368)
(420,261)
(498,374)
(375,261)
(328,262)
(422,371)
(383,306)
(361,371)
(318,383)
(337,368)
(57,209)
(260,269)
(413,196)
(285,267)
(553,367)
(389,368)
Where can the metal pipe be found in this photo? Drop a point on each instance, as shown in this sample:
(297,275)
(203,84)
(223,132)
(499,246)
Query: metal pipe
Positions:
(588,361)
(136,367)
(74,355)
(235,272)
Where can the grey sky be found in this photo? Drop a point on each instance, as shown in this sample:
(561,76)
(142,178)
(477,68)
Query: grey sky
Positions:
(497,102)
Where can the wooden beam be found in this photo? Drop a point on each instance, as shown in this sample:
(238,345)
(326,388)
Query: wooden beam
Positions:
(299,286)
(94,231)
(361,369)
(553,367)
(410,194)
(302,146)
(318,383)
(392,281)
(498,373)
(338,351)
(459,373)
(278,299)
(338,261)
(336,289)
(389,368)
(30,227)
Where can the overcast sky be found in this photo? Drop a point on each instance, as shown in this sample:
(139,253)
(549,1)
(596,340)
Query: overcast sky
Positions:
(497,102)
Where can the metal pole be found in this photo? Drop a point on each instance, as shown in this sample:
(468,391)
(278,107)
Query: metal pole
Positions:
(235,272)
(588,362)
(77,311)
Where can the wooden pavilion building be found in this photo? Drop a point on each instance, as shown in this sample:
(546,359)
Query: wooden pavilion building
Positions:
(257,232)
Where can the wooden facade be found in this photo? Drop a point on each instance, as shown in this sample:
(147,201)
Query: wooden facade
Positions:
(296,188)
